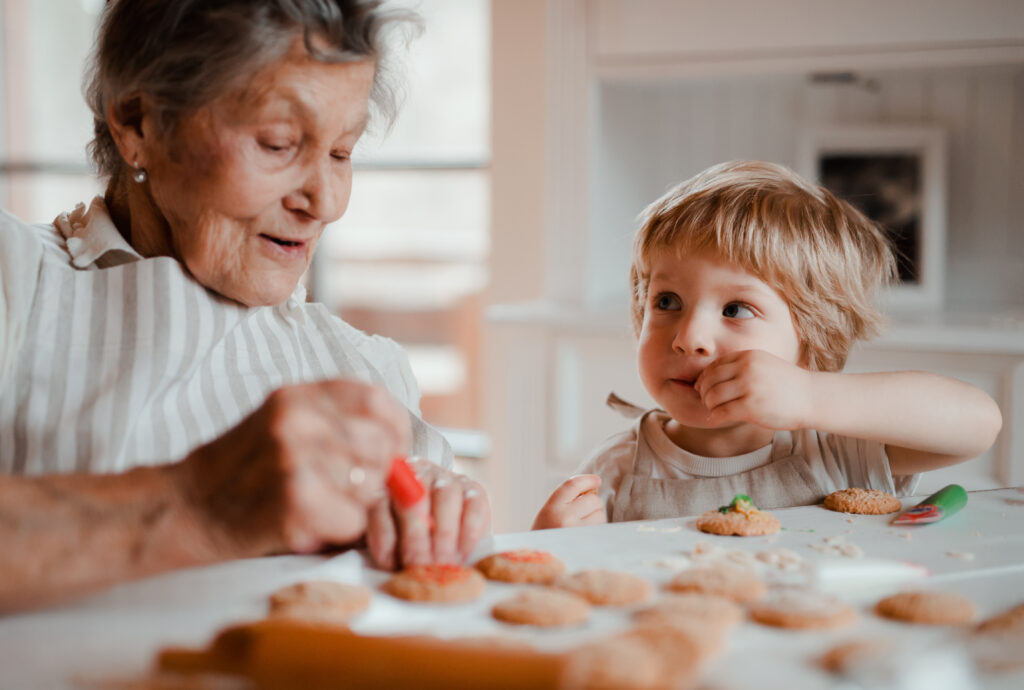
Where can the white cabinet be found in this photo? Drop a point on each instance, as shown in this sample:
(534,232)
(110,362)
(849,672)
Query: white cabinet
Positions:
(666,35)
(640,94)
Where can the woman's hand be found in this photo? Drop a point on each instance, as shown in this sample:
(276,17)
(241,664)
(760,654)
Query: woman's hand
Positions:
(574,503)
(443,527)
(300,472)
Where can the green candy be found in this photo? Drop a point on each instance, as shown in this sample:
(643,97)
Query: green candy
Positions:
(735,499)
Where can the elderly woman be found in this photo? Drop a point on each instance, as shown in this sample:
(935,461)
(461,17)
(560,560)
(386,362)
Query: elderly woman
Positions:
(167,396)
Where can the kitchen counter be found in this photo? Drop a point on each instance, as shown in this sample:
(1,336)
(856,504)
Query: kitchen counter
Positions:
(978,553)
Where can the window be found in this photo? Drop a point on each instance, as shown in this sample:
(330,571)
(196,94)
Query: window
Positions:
(45,123)
(408,260)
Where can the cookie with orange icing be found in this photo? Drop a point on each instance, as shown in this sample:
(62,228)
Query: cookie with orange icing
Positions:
(440,582)
(521,565)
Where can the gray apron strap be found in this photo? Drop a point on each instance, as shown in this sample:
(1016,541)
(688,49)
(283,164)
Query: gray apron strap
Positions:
(641,470)
(626,409)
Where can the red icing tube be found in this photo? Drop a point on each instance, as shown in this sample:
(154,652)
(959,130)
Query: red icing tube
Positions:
(404,485)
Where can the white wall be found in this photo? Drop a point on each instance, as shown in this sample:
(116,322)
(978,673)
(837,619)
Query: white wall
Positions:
(654,135)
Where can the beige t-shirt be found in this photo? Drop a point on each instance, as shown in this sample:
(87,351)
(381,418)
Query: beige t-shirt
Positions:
(664,479)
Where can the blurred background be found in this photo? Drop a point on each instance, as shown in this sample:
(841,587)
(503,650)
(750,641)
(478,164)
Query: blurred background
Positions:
(490,232)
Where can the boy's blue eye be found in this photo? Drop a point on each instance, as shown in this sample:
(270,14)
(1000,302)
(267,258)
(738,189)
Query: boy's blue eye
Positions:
(667,302)
(735,310)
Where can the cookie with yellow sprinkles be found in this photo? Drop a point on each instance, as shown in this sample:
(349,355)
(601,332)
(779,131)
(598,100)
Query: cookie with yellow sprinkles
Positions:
(740,518)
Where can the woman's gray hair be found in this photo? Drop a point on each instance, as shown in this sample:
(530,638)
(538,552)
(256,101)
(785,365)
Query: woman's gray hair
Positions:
(182,54)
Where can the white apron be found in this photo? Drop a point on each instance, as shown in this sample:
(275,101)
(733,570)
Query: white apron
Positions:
(794,476)
(135,363)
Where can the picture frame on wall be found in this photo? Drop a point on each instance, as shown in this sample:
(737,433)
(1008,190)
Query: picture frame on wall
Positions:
(896,175)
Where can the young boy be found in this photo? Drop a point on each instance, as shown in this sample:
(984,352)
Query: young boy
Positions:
(749,287)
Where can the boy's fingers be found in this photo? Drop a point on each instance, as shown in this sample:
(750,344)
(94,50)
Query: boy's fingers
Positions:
(597,517)
(583,509)
(575,486)
(722,393)
(586,500)
(714,375)
(733,411)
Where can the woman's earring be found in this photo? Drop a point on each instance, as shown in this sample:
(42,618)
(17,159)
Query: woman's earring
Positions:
(140,173)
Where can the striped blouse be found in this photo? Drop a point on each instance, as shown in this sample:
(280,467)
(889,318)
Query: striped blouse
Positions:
(109,360)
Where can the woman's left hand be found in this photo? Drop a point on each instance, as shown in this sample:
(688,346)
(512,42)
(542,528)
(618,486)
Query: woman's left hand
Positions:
(443,527)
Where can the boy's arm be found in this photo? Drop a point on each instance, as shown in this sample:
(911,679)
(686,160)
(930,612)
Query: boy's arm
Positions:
(926,421)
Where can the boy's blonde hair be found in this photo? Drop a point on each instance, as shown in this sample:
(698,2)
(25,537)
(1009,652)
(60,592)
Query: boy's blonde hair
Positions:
(823,256)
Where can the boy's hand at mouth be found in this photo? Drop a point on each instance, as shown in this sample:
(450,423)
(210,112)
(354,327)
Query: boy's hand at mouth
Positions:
(756,387)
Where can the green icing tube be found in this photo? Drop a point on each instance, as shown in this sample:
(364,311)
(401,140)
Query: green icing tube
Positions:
(939,505)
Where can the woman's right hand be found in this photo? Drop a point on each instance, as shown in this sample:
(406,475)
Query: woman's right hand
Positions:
(298,473)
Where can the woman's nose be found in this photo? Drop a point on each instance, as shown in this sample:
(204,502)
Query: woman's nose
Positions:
(693,337)
(321,192)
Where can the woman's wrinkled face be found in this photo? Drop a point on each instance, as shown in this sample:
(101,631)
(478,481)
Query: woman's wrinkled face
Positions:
(248,182)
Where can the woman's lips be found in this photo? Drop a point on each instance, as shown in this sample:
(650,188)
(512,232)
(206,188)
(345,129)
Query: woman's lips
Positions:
(283,242)
(280,245)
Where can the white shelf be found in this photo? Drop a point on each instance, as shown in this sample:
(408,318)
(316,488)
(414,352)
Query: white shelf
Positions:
(936,332)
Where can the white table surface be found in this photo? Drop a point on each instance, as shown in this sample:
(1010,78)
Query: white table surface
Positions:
(978,553)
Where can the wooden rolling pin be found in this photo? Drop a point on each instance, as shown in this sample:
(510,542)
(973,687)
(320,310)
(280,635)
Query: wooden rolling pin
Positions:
(288,654)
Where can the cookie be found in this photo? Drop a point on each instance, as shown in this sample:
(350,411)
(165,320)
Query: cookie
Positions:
(708,610)
(740,518)
(705,618)
(800,608)
(737,584)
(679,651)
(320,601)
(521,565)
(996,643)
(849,656)
(927,607)
(614,664)
(543,606)
(643,658)
(497,641)
(997,653)
(437,582)
(606,587)
(863,502)
(1011,621)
